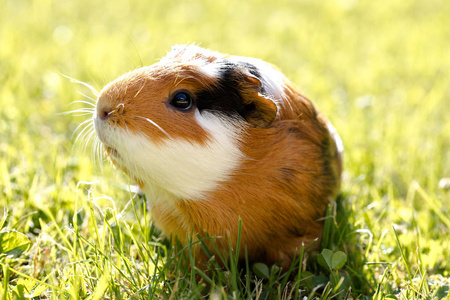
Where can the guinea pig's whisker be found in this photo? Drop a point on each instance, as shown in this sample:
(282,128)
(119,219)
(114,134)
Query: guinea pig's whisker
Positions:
(90,110)
(85,122)
(94,135)
(90,98)
(83,114)
(82,136)
(97,154)
(86,137)
(94,154)
(79,112)
(93,90)
(88,124)
(90,134)
(85,132)
(100,150)
(154,124)
(85,102)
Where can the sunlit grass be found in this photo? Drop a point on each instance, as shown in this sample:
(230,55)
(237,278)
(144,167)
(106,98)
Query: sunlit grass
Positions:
(379,71)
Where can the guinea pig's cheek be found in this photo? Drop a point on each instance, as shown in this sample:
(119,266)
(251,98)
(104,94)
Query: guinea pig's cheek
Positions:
(109,138)
(178,166)
(100,128)
(101,135)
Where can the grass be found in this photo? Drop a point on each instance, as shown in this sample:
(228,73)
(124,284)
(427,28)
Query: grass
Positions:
(378,70)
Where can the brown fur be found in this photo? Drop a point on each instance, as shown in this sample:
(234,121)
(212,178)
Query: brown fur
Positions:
(282,188)
(280,193)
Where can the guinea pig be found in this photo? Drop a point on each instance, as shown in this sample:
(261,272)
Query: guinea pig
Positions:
(213,138)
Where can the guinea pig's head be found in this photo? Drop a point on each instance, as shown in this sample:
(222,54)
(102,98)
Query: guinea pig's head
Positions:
(176,126)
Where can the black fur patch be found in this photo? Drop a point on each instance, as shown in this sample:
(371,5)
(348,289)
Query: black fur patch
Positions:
(225,96)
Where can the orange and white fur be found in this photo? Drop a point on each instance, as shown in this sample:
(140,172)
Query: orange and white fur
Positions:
(211,138)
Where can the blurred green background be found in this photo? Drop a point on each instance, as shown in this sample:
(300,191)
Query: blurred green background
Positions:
(378,69)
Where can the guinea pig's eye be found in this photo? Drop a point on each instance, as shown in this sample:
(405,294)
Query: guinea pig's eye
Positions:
(181,100)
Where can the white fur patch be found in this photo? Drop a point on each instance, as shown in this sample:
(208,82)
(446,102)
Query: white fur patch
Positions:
(209,69)
(337,139)
(177,168)
(189,54)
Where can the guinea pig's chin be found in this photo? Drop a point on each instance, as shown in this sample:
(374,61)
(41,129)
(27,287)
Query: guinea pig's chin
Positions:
(101,136)
(106,134)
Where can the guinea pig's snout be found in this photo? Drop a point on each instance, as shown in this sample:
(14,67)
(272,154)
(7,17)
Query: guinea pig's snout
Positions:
(105,111)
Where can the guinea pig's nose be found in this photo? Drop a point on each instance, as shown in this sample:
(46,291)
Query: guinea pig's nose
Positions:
(104,112)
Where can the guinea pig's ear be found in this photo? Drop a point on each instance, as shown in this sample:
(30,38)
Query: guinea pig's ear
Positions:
(258,109)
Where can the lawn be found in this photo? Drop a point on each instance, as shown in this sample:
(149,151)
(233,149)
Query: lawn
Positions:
(380,70)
